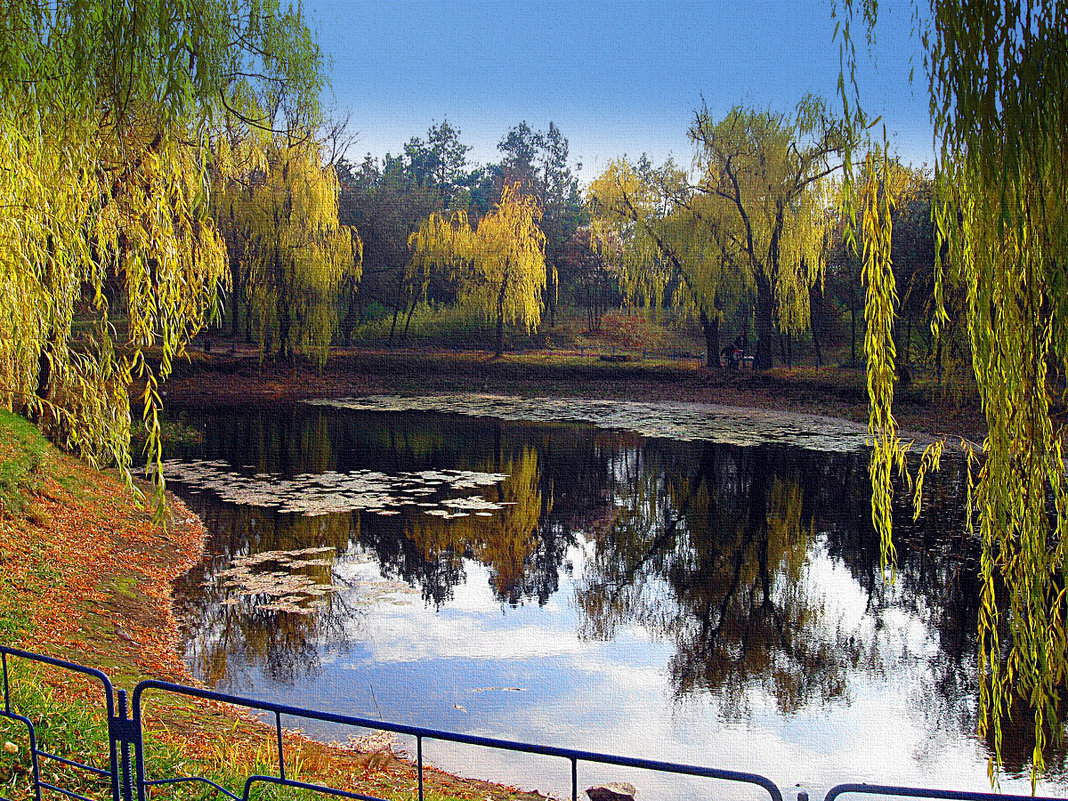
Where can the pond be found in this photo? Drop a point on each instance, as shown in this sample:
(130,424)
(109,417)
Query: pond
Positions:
(672,581)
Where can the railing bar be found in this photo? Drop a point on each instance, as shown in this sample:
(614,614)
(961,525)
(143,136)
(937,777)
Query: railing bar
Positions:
(419,763)
(70,793)
(90,768)
(467,739)
(574,779)
(183,779)
(920,792)
(281,758)
(72,666)
(127,779)
(7,693)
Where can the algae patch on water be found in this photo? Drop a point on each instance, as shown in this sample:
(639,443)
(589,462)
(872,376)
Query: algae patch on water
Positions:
(674,420)
(333,492)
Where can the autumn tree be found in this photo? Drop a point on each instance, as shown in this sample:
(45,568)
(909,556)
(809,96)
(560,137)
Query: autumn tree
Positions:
(500,264)
(282,215)
(997,73)
(644,221)
(107,115)
(764,199)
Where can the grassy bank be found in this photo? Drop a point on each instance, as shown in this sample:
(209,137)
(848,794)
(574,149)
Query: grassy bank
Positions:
(86,577)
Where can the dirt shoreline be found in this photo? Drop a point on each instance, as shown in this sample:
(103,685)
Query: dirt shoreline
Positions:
(214,381)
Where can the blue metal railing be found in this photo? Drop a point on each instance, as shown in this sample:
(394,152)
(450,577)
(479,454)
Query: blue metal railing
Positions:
(127,777)
(921,792)
(112,774)
(419,733)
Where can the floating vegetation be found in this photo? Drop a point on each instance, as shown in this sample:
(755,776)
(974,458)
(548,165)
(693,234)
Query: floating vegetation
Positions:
(674,420)
(272,581)
(332,492)
(272,575)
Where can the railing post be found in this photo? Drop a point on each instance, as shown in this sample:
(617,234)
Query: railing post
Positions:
(281,759)
(123,731)
(419,762)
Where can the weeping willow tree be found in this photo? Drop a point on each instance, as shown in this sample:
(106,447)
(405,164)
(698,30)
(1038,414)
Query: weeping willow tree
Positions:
(107,251)
(500,264)
(755,221)
(648,223)
(281,217)
(764,194)
(997,76)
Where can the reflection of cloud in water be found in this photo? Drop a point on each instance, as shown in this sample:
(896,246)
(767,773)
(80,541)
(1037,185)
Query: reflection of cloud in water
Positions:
(727,425)
(331,492)
(612,697)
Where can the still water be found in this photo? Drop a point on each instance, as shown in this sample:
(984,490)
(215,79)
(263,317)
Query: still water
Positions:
(670,581)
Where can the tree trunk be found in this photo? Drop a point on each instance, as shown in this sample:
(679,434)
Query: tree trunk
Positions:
(815,306)
(499,345)
(711,331)
(393,327)
(408,319)
(853,338)
(283,327)
(235,303)
(765,307)
(938,358)
(908,339)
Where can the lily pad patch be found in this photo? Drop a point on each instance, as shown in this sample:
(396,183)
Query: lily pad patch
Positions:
(332,492)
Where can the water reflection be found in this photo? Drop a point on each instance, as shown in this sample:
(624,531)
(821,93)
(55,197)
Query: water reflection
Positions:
(693,589)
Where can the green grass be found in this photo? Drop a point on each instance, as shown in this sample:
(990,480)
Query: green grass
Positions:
(23,451)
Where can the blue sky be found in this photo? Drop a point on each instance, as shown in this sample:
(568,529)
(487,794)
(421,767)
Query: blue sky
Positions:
(616,77)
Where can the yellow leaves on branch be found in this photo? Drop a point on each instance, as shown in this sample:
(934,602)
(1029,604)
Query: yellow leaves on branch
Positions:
(127,252)
(997,74)
(879,194)
(107,251)
(509,262)
(626,210)
(281,214)
(500,264)
(755,220)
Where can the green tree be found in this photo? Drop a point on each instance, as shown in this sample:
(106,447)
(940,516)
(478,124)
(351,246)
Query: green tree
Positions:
(538,162)
(440,161)
(107,114)
(764,179)
(382,200)
(997,73)
(501,264)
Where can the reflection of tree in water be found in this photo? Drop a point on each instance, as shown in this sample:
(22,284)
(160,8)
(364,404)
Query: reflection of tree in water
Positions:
(713,559)
(708,546)
(520,543)
(221,638)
